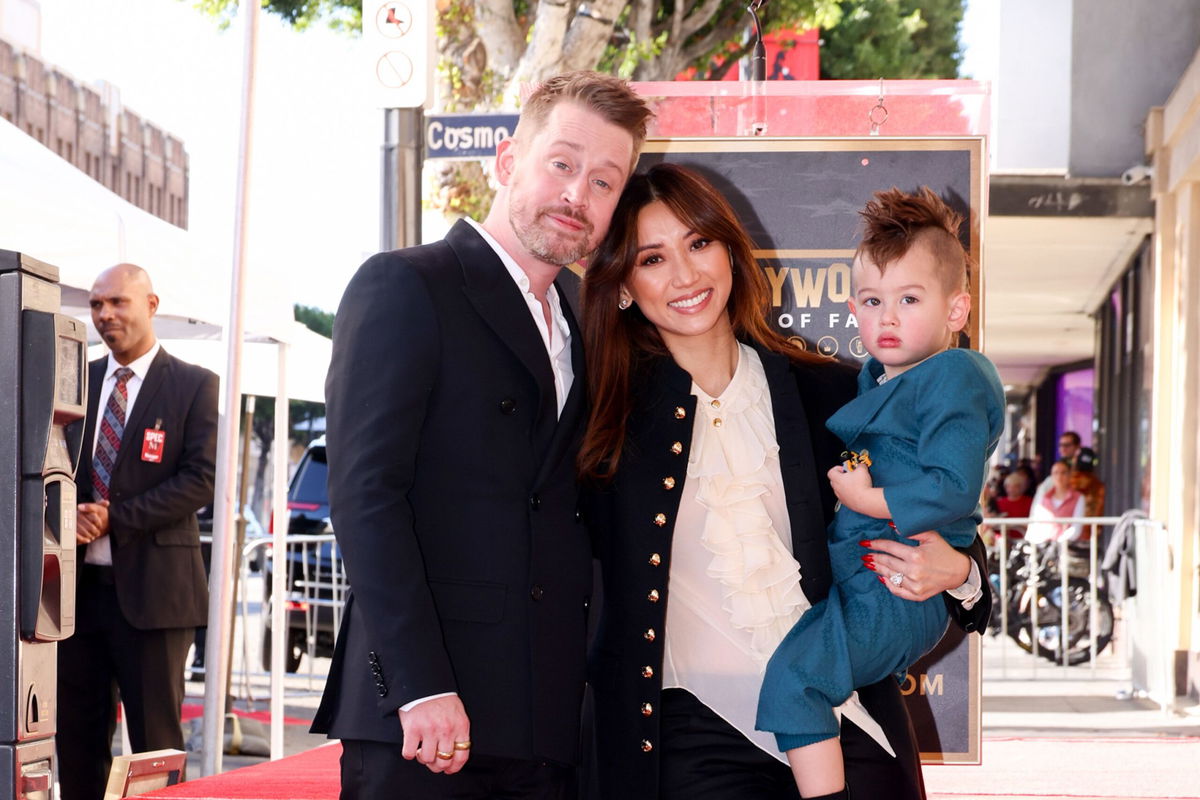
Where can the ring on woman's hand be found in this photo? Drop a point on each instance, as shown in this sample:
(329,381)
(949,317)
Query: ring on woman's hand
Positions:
(896,579)
(442,754)
(463,745)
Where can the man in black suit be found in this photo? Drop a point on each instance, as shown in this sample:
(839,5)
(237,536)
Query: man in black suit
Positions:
(455,404)
(150,439)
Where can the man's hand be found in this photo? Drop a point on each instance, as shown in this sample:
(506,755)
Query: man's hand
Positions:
(928,569)
(91,521)
(436,726)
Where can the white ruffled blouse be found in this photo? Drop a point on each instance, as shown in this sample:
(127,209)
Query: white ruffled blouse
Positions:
(735,587)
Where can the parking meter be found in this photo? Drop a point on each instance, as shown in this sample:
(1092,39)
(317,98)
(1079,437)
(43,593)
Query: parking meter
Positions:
(43,388)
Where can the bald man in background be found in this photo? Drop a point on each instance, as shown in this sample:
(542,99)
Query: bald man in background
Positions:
(149,462)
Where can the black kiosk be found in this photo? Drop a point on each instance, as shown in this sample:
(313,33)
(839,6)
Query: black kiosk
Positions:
(43,388)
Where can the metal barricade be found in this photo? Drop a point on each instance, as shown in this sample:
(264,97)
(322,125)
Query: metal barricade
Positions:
(315,596)
(1058,600)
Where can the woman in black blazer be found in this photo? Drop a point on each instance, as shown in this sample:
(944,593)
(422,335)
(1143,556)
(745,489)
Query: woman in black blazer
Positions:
(706,450)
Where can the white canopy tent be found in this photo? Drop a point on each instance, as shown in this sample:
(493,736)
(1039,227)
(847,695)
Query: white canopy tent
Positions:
(54,212)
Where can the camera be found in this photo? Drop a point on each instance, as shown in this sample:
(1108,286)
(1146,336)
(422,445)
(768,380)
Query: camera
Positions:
(1137,174)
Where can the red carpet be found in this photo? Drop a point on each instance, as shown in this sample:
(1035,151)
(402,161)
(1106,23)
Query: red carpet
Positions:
(194,710)
(1013,769)
(311,775)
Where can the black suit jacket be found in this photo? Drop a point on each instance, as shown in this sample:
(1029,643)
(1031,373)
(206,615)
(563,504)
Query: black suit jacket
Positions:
(635,553)
(159,574)
(453,498)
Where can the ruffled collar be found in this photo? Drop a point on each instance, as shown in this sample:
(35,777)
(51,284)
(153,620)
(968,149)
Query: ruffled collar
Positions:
(734,463)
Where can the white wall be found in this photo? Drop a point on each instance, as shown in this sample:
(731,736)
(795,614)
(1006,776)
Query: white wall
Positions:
(1032,86)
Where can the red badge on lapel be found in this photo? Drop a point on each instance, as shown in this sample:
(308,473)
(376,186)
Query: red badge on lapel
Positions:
(153,442)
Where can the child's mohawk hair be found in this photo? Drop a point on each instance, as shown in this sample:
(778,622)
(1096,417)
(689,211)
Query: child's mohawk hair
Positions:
(895,220)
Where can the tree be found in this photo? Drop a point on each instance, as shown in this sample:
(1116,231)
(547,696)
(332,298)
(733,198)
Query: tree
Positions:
(491,47)
(488,49)
(893,39)
(338,14)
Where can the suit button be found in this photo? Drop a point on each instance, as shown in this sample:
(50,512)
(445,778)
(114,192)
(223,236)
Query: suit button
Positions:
(647,709)
(646,746)
(578,515)
(680,412)
(647,671)
(536,592)
(508,406)
(649,634)
(660,519)
(677,448)
(535,502)
(668,483)
(655,559)
(653,596)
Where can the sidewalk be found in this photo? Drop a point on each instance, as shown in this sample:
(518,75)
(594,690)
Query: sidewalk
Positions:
(1050,732)
(1047,732)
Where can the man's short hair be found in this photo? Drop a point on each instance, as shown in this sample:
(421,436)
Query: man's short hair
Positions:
(896,221)
(1072,435)
(606,95)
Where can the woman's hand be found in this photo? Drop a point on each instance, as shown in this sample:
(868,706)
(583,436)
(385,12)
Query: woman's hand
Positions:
(928,569)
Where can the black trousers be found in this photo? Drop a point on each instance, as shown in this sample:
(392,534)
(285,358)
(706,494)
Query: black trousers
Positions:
(377,771)
(107,658)
(703,757)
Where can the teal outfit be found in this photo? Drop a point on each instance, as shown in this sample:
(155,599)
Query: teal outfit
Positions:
(929,431)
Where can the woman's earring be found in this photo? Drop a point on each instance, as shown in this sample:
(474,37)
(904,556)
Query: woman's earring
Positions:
(624,303)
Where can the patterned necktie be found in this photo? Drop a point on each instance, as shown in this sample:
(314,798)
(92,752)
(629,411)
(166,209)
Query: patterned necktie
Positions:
(112,426)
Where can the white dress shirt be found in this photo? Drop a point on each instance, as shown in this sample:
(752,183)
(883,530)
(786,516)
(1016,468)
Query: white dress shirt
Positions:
(100,550)
(557,338)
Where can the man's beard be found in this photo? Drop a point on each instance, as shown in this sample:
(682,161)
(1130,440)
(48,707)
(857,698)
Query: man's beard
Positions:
(545,246)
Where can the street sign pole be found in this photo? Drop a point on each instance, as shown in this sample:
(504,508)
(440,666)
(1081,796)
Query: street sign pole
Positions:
(398,40)
(400,178)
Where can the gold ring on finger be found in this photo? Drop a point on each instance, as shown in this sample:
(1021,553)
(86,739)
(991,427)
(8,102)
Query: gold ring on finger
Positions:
(444,755)
(463,745)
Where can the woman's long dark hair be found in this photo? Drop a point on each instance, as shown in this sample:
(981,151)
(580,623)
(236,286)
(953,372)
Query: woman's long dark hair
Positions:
(619,342)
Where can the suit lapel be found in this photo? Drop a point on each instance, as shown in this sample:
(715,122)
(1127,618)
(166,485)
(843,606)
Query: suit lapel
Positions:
(498,301)
(853,417)
(156,376)
(797,465)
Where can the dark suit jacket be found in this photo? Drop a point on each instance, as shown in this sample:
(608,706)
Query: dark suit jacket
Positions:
(635,554)
(159,574)
(453,498)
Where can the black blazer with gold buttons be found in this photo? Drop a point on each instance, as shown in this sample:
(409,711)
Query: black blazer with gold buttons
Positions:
(633,522)
(453,498)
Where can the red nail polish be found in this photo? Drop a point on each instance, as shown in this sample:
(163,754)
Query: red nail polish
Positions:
(865,543)
(869,561)
(881,580)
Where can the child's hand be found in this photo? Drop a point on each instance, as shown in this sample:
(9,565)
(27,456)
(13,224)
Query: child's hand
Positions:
(851,485)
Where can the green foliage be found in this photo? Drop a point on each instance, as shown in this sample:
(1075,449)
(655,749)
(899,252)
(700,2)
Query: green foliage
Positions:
(340,15)
(897,39)
(315,319)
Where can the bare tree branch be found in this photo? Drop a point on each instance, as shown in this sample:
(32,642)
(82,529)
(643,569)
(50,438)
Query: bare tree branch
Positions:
(589,33)
(545,45)
(496,24)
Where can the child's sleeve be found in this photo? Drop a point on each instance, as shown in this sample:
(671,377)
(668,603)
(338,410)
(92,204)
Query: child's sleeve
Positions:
(958,418)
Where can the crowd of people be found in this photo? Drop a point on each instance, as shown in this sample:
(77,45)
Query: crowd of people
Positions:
(1071,489)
